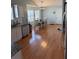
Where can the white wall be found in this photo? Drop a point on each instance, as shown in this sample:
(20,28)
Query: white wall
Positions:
(51,17)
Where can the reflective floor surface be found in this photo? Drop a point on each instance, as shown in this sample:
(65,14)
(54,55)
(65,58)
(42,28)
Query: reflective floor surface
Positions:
(48,43)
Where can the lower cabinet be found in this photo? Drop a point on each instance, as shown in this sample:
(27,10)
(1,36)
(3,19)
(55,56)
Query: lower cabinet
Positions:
(25,30)
(16,34)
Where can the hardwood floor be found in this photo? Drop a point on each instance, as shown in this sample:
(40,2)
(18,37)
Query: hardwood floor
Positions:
(47,44)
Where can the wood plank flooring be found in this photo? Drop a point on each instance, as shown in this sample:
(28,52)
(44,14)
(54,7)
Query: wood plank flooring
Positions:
(47,44)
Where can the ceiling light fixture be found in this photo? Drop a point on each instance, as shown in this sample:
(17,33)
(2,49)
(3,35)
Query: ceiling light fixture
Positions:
(42,2)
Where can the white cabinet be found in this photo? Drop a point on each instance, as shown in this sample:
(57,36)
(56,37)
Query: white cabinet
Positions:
(13,35)
(25,30)
(16,34)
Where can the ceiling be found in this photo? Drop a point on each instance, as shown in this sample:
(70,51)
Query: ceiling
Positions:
(39,4)
(46,3)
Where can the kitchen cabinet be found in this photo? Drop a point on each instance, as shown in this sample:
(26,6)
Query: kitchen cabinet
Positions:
(25,29)
(16,33)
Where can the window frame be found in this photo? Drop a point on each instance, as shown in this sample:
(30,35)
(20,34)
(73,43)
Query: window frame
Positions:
(16,11)
(12,13)
(37,15)
(30,16)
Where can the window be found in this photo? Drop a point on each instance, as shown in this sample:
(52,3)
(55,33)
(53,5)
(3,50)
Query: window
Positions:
(37,14)
(30,15)
(16,11)
(12,16)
